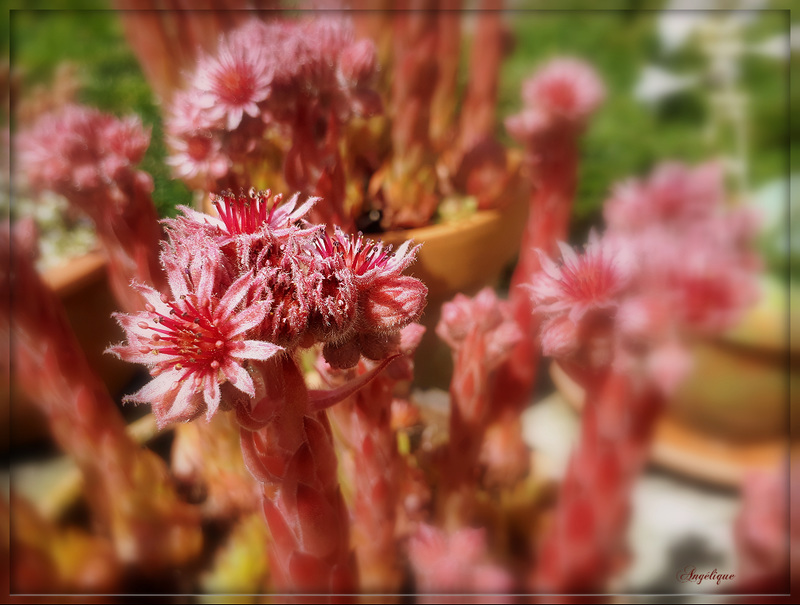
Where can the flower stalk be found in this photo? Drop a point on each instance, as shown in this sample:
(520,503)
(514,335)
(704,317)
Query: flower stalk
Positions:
(127,487)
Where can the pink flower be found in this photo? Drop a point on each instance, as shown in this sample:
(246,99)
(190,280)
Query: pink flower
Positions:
(592,281)
(80,151)
(259,211)
(387,300)
(197,156)
(673,195)
(456,563)
(234,82)
(194,345)
(565,87)
(484,315)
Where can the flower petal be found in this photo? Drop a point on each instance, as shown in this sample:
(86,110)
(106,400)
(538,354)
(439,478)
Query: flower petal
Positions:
(255,349)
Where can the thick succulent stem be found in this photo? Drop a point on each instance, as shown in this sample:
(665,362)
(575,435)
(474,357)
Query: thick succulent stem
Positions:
(292,457)
(128,487)
(585,544)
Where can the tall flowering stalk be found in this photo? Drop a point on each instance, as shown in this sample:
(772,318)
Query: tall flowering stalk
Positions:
(364,421)
(90,158)
(249,290)
(558,101)
(617,317)
(481,334)
(128,488)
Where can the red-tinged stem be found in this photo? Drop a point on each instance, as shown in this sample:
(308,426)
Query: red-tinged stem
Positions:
(443,102)
(365,422)
(416,71)
(127,487)
(556,168)
(469,408)
(292,457)
(478,112)
(131,240)
(585,545)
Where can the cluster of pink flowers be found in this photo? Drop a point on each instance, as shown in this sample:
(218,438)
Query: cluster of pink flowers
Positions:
(90,158)
(271,92)
(254,282)
(673,261)
(558,98)
(83,153)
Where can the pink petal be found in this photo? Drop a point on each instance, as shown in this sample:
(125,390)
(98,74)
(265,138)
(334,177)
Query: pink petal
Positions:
(156,389)
(211,394)
(255,349)
(239,378)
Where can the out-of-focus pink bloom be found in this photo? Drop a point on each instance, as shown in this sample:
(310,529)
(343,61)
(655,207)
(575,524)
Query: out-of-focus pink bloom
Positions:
(591,281)
(566,87)
(193,345)
(484,314)
(673,195)
(559,98)
(234,81)
(455,563)
(80,152)
(197,156)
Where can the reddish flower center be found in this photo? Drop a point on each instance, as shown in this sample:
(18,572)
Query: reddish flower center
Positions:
(189,333)
(246,215)
(198,147)
(561,95)
(358,254)
(235,85)
(587,280)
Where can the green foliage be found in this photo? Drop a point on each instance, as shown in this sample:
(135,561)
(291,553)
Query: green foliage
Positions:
(111,77)
(626,138)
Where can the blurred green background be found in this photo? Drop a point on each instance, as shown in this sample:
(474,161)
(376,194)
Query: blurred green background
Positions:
(626,138)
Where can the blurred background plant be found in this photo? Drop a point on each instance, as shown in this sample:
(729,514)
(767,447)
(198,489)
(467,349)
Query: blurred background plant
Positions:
(621,41)
(69,56)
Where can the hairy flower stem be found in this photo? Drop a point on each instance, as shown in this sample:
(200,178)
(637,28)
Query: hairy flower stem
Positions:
(585,544)
(127,487)
(292,457)
(470,402)
(365,421)
(548,223)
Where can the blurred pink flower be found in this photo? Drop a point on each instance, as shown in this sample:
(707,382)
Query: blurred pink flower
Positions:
(85,155)
(566,87)
(591,281)
(672,195)
(455,563)
(560,97)
(485,315)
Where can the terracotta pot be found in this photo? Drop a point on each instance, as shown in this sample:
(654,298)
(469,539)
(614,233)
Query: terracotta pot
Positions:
(82,285)
(739,388)
(463,256)
(733,411)
(466,255)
